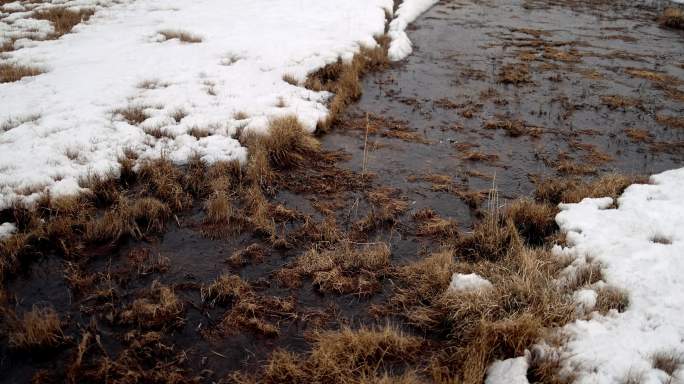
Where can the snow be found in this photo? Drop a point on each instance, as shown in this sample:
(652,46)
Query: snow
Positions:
(640,245)
(509,371)
(409,10)
(468,283)
(6,229)
(65,124)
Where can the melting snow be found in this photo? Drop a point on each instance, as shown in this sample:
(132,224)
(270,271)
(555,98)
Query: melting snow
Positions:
(468,283)
(62,125)
(641,246)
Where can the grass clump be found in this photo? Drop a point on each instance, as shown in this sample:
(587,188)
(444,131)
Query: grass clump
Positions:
(161,308)
(534,221)
(569,190)
(343,268)
(672,17)
(63,20)
(39,328)
(365,355)
(343,79)
(287,143)
(224,290)
(14,72)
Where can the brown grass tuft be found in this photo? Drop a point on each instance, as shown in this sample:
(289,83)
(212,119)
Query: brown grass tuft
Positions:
(134,114)
(609,298)
(14,72)
(346,356)
(39,328)
(672,17)
(225,290)
(534,221)
(343,79)
(161,308)
(63,20)
(345,268)
(515,74)
(290,79)
(668,361)
(555,191)
(287,143)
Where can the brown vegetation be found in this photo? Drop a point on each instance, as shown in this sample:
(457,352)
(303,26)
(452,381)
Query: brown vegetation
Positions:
(344,268)
(14,72)
(672,17)
(39,328)
(515,74)
(63,20)
(345,356)
(343,79)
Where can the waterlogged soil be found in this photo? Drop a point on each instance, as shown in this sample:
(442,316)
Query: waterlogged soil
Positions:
(496,94)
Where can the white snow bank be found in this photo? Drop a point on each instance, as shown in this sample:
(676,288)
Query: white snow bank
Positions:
(468,283)
(509,371)
(641,246)
(409,10)
(6,229)
(63,124)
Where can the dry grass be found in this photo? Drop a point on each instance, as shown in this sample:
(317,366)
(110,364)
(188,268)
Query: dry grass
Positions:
(160,308)
(347,356)
(672,17)
(610,298)
(668,361)
(343,268)
(513,128)
(483,325)
(253,253)
(555,191)
(290,79)
(515,74)
(343,79)
(386,204)
(39,328)
(182,36)
(534,221)
(14,72)
(430,224)
(63,20)
(225,290)
(671,121)
(619,102)
(134,114)
(288,144)
(639,135)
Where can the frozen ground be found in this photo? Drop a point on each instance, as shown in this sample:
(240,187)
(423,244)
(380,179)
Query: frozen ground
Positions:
(63,124)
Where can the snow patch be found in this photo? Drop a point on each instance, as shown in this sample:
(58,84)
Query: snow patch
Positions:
(409,10)
(468,283)
(509,371)
(7,229)
(640,245)
(67,122)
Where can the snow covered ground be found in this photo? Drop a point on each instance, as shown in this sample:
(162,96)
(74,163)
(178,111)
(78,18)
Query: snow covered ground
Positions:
(66,123)
(640,246)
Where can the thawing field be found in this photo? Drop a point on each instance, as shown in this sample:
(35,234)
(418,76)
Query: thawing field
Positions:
(338,192)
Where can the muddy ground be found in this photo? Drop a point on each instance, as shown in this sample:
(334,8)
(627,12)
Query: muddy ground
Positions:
(500,93)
